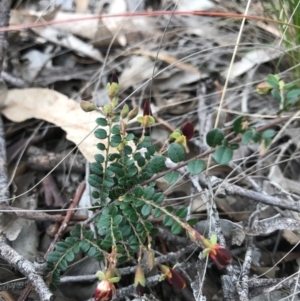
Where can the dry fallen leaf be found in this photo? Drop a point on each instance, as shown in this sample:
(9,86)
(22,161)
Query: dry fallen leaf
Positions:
(167,59)
(54,107)
(252,58)
(58,34)
(115,24)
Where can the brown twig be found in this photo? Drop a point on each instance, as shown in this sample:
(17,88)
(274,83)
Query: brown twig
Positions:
(36,215)
(39,159)
(146,14)
(67,217)
(51,192)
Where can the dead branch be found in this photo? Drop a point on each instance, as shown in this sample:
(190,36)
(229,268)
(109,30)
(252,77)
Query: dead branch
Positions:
(26,268)
(39,159)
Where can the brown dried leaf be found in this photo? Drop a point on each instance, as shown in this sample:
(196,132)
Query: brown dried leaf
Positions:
(56,108)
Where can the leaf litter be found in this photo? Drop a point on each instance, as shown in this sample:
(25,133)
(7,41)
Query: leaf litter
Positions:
(61,65)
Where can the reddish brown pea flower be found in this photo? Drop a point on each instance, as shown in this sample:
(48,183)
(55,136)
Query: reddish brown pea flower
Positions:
(114,78)
(139,280)
(172,276)
(147,108)
(221,256)
(105,291)
(147,119)
(188,131)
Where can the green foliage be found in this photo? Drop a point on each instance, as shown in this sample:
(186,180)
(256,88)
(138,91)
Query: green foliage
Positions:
(285,94)
(176,152)
(125,195)
(196,166)
(65,251)
(171,177)
(214,137)
(223,155)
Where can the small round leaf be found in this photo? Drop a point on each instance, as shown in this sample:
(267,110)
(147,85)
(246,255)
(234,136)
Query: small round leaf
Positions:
(100,134)
(223,155)
(196,166)
(171,177)
(176,152)
(214,137)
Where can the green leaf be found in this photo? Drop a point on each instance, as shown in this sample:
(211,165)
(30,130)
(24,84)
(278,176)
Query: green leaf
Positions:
(95,194)
(99,158)
(130,137)
(234,146)
(133,217)
(94,181)
(256,137)
(176,229)
(69,256)
(158,198)
(139,227)
(63,265)
(116,168)
(141,161)
(117,220)
(223,155)
(71,240)
(273,80)
(84,246)
(275,93)
(171,177)
(101,146)
(76,232)
(126,230)
(101,121)
(214,137)
(146,210)
(238,124)
(53,256)
(114,156)
(157,164)
(148,226)
(195,166)
(138,191)
(100,134)
(157,213)
(290,86)
(108,182)
(181,212)
(138,203)
(268,134)
(127,150)
(128,198)
(117,234)
(292,96)
(247,136)
(192,221)
(168,221)
(176,152)
(92,252)
(133,243)
(96,168)
(115,129)
(88,234)
(115,140)
(149,192)
(132,171)
(61,246)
